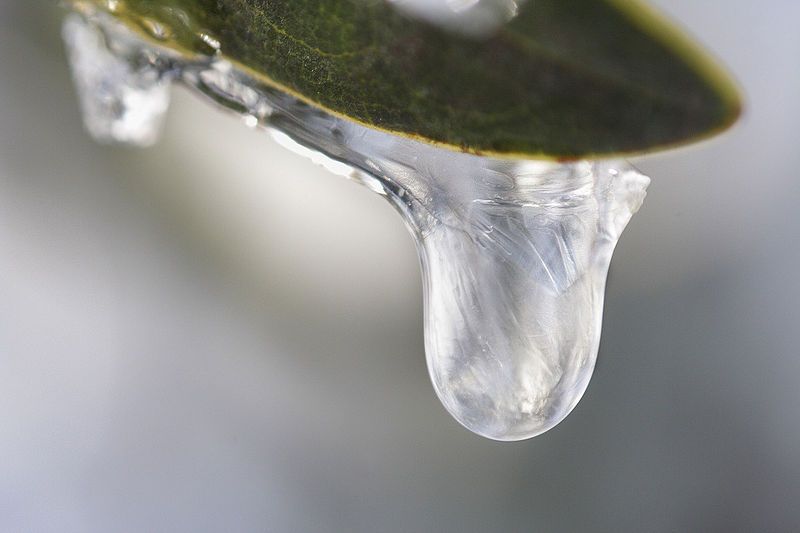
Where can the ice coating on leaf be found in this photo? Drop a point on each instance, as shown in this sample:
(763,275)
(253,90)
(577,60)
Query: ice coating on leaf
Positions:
(548,79)
(514,253)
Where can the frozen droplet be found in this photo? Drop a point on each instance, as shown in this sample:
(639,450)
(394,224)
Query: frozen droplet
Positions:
(514,254)
(514,284)
(123,90)
(514,258)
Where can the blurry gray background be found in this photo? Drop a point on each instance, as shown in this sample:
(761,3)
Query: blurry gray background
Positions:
(215,335)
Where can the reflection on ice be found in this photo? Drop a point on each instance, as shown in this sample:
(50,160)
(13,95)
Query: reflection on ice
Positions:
(514,254)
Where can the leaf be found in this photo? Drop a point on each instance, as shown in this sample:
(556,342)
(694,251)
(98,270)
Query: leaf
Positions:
(564,79)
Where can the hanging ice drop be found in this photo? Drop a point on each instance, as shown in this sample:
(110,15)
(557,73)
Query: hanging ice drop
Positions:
(514,254)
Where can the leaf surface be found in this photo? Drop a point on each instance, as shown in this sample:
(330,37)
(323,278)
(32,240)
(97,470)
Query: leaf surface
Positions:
(563,79)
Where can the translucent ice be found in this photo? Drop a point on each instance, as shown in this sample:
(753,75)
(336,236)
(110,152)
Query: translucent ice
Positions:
(123,89)
(514,254)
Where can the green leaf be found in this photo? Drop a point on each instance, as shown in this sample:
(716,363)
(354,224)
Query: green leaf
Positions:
(563,79)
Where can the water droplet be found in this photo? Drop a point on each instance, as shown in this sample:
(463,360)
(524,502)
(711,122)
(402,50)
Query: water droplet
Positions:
(514,254)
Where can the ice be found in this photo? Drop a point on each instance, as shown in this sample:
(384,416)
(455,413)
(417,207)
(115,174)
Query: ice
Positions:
(123,89)
(514,254)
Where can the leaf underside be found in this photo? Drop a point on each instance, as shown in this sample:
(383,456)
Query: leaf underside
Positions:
(564,79)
